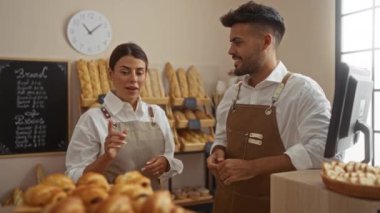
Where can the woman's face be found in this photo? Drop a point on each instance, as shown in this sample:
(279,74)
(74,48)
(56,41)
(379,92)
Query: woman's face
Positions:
(128,76)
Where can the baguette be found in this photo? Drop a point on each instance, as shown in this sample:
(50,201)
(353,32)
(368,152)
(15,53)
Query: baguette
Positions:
(104,76)
(148,86)
(182,79)
(194,77)
(154,80)
(94,76)
(84,79)
(174,90)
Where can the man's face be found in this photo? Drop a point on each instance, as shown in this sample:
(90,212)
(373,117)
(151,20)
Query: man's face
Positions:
(246,49)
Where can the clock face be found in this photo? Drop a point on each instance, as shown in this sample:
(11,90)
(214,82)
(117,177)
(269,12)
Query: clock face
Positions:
(89,32)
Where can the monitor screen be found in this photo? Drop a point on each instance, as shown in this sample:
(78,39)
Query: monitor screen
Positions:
(352,99)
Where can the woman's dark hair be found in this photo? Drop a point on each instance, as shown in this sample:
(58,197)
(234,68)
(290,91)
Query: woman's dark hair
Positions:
(126,49)
(254,13)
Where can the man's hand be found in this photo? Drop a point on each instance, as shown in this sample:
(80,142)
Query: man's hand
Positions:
(215,159)
(233,170)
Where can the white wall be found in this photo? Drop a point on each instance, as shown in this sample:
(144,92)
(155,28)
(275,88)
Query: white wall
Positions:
(180,31)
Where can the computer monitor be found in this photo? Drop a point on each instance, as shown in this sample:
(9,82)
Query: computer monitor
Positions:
(352,99)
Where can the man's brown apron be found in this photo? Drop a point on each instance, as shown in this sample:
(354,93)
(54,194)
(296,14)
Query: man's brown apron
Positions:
(252,133)
(144,141)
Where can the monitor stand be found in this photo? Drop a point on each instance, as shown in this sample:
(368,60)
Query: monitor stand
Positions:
(368,142)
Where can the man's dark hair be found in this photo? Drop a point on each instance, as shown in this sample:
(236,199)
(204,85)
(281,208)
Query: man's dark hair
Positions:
(254,13)
(126,49)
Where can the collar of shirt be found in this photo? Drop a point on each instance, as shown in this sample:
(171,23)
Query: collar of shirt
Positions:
(274,77)
(115,105)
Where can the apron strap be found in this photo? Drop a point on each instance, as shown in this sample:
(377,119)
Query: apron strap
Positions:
(107,115)
(237,95)
(277,92)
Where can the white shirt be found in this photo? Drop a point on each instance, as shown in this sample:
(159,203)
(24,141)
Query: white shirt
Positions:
(87,141)
(302,113)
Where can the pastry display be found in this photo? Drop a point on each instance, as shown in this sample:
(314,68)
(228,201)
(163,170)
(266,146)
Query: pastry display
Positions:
(134,177)
(352,178)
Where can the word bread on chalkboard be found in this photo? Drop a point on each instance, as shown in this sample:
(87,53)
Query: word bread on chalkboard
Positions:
(34,109)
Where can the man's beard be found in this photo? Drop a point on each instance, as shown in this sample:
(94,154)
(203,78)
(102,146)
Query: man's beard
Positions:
(245,69)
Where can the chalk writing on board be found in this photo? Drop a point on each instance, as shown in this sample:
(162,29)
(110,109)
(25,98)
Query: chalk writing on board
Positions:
(36,116)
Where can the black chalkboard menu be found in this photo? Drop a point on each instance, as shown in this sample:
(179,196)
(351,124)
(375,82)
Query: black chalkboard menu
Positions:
(33,107)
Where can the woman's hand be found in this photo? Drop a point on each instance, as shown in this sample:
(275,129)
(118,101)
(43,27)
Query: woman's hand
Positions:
(156,166)
(114,141)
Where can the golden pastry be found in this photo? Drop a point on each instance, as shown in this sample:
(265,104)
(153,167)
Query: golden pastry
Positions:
(43,194)
(60,180)
(116,204)
(174,90)
(93,178)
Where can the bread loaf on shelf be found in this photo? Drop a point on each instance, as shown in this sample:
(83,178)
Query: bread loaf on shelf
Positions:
(174,90)
(94,76)
(84,79)
(190,114)
(194,79)
(105,83)
(183,85)
(156,83)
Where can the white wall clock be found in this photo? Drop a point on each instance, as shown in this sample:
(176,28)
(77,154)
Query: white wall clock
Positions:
(89,32)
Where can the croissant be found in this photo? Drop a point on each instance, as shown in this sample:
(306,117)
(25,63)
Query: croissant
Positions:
(116,204)
(43,194)
(159,202)
(133,177)
(71,204)
(93,178)
(91,195)
(61,181)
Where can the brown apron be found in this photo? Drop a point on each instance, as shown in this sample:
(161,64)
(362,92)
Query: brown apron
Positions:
(252,133)
(144,141)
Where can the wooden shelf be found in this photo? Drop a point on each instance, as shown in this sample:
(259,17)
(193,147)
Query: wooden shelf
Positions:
(192,202)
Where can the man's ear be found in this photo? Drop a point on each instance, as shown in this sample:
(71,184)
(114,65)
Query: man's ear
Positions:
(268,40)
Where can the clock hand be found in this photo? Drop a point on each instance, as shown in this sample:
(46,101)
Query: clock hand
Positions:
(88,30)
(93,30)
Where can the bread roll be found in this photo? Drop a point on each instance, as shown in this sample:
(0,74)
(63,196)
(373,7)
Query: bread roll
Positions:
(182,80)
(43,194)
(84,79)
(190,115)
(116,204)
(179,116)
(104,76)
(94,76)
(201,115)
(174,90)
(93,178)
(60,180)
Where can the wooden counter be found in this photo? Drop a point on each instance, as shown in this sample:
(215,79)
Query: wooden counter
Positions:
(304,191)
